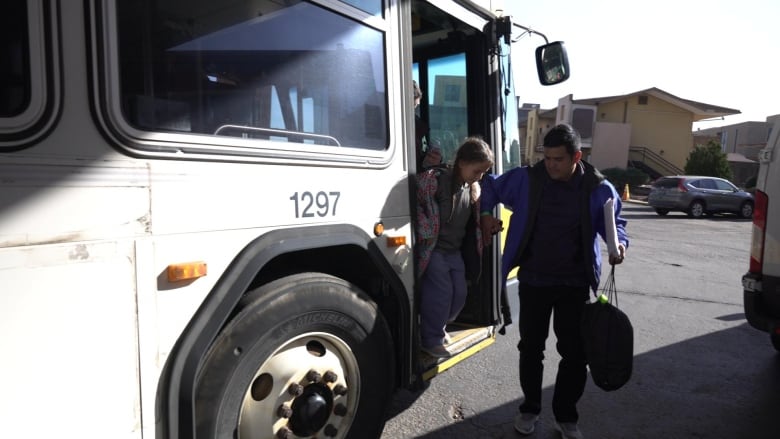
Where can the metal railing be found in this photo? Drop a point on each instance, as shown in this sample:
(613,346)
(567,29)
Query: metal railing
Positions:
(653,161)
(245,131)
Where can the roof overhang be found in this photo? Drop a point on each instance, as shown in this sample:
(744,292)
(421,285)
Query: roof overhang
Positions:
(700,110)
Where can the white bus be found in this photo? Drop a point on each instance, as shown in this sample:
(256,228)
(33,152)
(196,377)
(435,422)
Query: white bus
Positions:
(206,209)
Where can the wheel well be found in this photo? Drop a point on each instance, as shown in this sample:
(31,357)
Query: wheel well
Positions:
(700,200)
(348,262)
(354,264)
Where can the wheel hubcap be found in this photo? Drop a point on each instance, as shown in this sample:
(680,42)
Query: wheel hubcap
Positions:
(311,410)
(309,387)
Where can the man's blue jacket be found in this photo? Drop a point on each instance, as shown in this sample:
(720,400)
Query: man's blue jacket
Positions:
(520,190)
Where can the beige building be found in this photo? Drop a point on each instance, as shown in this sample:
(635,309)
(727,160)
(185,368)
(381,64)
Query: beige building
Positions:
(650,128)
(533,130)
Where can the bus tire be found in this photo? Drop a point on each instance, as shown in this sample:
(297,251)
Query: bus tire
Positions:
(309,354)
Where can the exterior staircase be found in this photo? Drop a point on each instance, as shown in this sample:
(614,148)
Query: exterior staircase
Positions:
(651,162)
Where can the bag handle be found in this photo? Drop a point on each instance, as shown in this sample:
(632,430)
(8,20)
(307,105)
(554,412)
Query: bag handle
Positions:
(609,292)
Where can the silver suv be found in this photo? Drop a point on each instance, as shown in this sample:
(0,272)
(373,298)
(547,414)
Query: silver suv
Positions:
(698,195)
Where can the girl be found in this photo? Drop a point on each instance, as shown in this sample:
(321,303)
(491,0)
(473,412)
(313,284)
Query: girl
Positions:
(447,198)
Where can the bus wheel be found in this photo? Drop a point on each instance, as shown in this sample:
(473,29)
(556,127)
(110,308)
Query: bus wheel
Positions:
(307,355)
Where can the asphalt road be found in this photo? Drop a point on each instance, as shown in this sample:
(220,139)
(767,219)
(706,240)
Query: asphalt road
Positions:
(700,371)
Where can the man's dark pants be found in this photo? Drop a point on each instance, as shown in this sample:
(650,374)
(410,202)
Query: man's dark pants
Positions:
(566,305)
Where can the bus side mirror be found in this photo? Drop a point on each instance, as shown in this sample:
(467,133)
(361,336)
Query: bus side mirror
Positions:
(552,64)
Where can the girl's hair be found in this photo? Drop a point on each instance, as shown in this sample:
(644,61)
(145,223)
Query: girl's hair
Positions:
(472,150)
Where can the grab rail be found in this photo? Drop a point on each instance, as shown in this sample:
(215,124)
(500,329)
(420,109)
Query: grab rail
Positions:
(274,131)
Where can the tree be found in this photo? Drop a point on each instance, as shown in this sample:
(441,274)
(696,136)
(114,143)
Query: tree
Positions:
(708,160)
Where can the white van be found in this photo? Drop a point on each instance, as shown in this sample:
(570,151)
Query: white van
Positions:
(761,284)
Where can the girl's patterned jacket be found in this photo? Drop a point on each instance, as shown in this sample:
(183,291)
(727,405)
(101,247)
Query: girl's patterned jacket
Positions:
(428,218)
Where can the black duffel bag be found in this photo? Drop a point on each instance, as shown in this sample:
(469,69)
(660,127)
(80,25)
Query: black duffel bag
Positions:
(608,339)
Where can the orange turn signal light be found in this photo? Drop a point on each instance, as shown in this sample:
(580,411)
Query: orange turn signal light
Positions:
(396,241)
(186,271)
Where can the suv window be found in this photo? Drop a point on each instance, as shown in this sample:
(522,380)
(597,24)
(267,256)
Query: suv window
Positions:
(666,183)
(704,183)
(722,185)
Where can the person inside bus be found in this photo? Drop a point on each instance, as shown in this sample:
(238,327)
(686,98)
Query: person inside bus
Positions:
(558,213)
(428,153)
(449,239)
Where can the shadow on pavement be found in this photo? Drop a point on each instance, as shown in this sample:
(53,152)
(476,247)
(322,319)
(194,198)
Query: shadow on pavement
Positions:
(685,390)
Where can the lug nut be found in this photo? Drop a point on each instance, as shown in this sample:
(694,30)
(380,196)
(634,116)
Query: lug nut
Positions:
(284,411)
(295,389)
(284,433)
(330,377)
(330,431)
(313,376)
(340,410)
(340,390)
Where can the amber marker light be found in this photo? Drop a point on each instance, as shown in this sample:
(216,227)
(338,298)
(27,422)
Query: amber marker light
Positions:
(186,271)
(396,241)
(379,228)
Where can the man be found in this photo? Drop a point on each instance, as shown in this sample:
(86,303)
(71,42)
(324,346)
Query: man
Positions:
(558,211)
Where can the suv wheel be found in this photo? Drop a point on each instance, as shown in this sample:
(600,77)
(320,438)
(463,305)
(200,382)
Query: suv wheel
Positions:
(696,209)
(746,210)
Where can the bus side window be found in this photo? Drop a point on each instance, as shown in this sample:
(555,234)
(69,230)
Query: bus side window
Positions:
(29,73)
(292,73)
(15,74)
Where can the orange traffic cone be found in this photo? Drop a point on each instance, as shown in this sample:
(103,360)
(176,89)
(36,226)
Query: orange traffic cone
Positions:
(626,194)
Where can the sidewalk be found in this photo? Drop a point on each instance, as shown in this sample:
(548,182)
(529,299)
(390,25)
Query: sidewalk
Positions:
(638,199)
(636,195)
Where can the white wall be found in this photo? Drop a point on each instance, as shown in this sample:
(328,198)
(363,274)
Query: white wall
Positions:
(610,145)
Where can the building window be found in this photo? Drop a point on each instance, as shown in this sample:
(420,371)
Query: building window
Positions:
(582,119)
(642,100)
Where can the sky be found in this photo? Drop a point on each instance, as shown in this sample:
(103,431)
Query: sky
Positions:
(723,53)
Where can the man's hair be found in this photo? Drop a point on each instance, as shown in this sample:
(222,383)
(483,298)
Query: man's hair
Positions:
(563,135)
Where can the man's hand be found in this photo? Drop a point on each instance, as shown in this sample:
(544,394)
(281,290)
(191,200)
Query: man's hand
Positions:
(490,225)
(615,260)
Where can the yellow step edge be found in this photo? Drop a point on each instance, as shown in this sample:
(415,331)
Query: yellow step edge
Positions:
(457,358)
